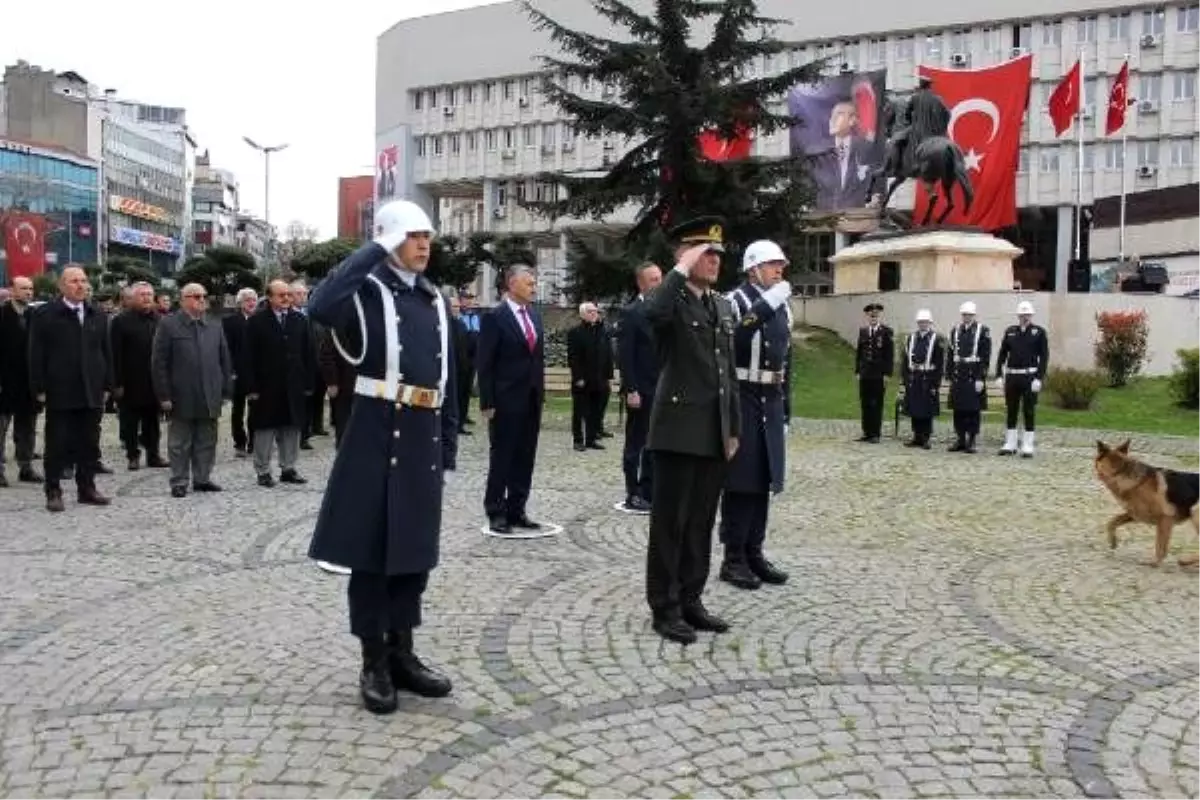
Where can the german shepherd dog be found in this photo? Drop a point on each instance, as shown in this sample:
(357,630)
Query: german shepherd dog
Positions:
(1159,497)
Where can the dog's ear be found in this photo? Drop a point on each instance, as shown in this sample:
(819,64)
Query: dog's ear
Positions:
(1124,447)
(1101,447)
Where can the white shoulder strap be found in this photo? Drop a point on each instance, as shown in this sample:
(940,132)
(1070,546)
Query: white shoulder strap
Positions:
(362,328)
(444,339)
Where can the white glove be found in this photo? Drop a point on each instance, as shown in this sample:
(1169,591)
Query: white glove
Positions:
(1000,382)
(1036,386)
(978,387)
(391,240)
(447,478)
(786,429)
(777,295)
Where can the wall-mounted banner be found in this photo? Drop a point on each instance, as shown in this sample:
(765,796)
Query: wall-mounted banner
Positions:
(136,208)
(144,240)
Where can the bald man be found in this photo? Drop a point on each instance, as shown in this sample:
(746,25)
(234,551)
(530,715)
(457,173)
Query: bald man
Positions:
(18,410)
(70,372)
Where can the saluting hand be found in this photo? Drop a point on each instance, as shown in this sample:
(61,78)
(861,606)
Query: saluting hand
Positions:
(690,257)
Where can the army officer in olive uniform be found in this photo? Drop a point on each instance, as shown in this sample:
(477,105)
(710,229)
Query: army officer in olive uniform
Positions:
(694,429)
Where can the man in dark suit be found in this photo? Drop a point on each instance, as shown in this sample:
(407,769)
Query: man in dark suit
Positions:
(874,359)
(18,409)
(464,359)
(589,356)
(512,372)
(694,428)
(843,175)
(639,377)
(131,337)
(70,372)
(235,340)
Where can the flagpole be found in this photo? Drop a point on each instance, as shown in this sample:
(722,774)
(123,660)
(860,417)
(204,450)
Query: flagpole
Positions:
(1079,163)
(1124,162)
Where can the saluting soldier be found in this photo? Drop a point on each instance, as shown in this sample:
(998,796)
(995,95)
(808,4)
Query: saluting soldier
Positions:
(381,515)
(1020,370)
(874,360)
(921,373)
(694,428)
(967,361)
(762,347)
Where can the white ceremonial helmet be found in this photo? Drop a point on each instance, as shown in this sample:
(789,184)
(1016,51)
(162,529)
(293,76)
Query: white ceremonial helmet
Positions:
(967,308)
(399,218)
(763,251)
(1024,307)
(924,315)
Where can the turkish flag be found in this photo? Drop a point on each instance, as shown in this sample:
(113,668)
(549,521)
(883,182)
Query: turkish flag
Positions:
(715,148)
(1118,102)
(24,244)
(986,109)
(1065,100)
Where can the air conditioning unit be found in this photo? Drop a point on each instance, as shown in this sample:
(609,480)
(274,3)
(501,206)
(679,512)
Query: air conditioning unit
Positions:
(1017,52)
(1147,171)
(1147,107)
(607,92)
(848,67)
(1086,112)
(609,147)
(523,101)
(567,147)
(959,59)
(508,154)
(499,213)
(1149,41)
(548,149)
(447,111)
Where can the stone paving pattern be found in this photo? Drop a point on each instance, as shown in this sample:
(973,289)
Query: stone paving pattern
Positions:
(955,625)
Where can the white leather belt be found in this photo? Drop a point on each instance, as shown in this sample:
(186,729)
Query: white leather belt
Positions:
(765,376)
(414,396)
(923,368)
(968,360)
(1030,371)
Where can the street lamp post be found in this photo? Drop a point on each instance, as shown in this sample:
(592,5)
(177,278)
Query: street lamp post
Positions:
(266,151)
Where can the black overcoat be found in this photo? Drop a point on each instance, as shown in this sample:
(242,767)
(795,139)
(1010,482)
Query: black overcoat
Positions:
(921,372)
(382,509)
(280,365)
(132,340)
(967,358)
(15,397)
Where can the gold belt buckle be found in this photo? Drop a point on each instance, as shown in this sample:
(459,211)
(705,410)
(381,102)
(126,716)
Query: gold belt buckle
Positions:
(423,397)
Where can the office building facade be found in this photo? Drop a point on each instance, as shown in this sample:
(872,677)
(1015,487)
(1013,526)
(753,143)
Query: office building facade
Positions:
(467,136)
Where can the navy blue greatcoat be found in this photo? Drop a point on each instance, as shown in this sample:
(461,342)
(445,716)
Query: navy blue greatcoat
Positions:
(759,464)
(382,510)
(921,371)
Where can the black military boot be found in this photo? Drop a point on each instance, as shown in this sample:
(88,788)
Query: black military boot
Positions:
(407,671)
(735,571)
(375,682)
(971,443)
(960,444)
(764,570)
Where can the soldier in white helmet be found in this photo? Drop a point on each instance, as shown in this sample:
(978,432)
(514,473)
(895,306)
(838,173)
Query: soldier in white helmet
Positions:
(1020,370)
(921,373)
(967,360)
(381,516)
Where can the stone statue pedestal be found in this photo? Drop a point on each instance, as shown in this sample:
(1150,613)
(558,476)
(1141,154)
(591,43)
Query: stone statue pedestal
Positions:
(937,260)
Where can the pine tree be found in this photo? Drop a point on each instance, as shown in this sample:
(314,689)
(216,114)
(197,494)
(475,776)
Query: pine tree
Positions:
(665,92)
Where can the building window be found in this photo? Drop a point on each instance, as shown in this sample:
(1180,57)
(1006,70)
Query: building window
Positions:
(1119,27)
(529,135)
(501,194)
(1048,160)
(455,145)
(1185,85)
(1085,30)
(489,141)
(1089,157)
(1183,152)
(1114,156)
(417,97)
(904,49)
(1154,22)
(437,145)
(933,46)
(568,133)
(1051,34)
(991,40)
(1089,93)
(1147,153)
(1149,87)
(469,94)
(432,98)
(1023,160)
(958,42)
(451,96)
(510,138)
(548,135)
(506,90)
(421,146)
(1187,19)
(526,87)
(489,91)
(472,142)
(877,51)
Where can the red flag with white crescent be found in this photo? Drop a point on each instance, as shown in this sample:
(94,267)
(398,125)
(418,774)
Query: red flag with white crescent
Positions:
(24,244)
(1118,102)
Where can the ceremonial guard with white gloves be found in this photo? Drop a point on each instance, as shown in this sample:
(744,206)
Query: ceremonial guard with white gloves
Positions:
(762,348)
(921,374)
(874,357)
(381,516)
(967,360)
(1020,370)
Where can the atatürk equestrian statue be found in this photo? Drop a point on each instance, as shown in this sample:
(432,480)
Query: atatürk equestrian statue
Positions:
(919,149)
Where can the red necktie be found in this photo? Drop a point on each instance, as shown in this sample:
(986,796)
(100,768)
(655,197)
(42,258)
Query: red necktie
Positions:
(530,337)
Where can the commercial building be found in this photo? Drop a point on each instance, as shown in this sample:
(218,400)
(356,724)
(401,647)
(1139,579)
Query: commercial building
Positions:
(466,136)
(144,152)
(356,207)
(254,236)
(49,202)
(215,206)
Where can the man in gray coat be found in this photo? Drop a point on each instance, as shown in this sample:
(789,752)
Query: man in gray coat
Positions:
(192,375)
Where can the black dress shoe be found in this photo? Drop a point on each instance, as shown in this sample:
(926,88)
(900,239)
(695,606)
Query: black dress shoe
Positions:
(637,504)
(873,440)
(579,448)
(863,438)
(499,525)
(766,571)
(375,681)
(409,673)
(698,617)
(595,446)
(29,475)
(957,447)
(266,481)
(156,462)
(179,491)
(205,486)
(525,523)
(605,435)
(912,443)
(134,464)
(738,574)
(291,476)
(674,629)
(305,444)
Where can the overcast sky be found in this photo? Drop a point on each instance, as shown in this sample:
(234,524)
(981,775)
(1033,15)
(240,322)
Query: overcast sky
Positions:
(296,73)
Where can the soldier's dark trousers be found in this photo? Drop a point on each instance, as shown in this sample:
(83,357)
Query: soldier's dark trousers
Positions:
(587,414)
(466,378)
(72,439)
(1019,396)
(870,397)
(687,491)
(380,604)
(966,423)
(140,425)
(744,523)
(922,429)
(636,461)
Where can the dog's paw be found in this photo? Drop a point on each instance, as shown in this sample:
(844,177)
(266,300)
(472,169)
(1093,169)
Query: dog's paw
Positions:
(1191,562)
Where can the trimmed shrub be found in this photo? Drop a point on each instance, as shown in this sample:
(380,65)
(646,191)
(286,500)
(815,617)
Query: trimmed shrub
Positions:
(1073,389)
(1121,346)
(1185,379)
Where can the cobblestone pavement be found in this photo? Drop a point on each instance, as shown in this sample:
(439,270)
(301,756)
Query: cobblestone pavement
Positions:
(955,625)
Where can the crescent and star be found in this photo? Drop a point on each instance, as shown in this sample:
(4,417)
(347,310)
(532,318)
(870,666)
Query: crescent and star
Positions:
(974,105)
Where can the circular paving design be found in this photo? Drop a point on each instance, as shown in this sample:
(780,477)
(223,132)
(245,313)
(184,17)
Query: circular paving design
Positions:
(954,625)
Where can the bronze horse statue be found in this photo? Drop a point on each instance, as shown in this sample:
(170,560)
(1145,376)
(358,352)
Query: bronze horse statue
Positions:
(919,149)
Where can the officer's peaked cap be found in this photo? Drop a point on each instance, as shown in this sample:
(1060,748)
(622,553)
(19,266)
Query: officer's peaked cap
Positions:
(401,216)
(764,251)
(869,307)
(708,230)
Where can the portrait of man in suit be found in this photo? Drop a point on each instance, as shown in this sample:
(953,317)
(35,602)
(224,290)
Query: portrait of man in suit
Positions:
(844,174)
